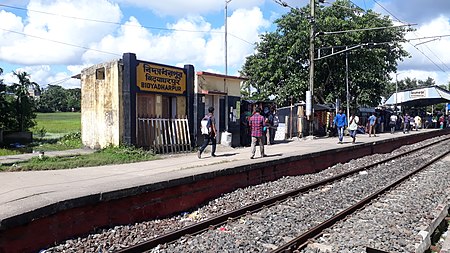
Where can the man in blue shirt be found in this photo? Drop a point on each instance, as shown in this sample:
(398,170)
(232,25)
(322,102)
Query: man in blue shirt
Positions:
(372,122)
(340,121)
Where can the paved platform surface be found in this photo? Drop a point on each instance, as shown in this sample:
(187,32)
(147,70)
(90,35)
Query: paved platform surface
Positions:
(11,159)
(21,192)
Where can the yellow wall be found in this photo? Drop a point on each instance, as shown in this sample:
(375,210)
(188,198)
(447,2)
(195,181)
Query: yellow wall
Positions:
(102,116)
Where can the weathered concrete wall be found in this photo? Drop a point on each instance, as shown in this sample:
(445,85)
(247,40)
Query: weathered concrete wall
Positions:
(101,105)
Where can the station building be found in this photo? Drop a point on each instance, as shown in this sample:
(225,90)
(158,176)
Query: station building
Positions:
(156,106)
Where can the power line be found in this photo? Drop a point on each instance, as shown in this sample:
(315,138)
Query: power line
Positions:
(388,42)
(105,21)
(284,4)
(370,44)
(430,37)
(435,55)
(60,42)
(428,58)
(118,23)
(415,46)
(60,81)
(390,13)
(363,29)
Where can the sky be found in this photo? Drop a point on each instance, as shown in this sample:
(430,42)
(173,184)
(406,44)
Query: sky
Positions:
(53,40)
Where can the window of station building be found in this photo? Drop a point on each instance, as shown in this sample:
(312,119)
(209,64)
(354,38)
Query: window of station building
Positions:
(100,74)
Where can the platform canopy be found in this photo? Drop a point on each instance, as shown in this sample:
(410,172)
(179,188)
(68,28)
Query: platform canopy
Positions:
(420,97)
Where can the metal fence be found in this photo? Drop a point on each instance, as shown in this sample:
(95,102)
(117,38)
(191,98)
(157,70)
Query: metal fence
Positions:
(164,135)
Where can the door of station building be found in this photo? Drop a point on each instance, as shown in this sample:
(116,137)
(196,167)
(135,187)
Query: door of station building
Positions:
(218,103)
(162,123)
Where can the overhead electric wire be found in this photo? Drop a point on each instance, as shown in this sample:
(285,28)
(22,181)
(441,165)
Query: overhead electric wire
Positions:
(284,4)
(118,23)
(105,21)
(60,42)
(415,46)
(390,13)
(364,29)
(387,42)
(57,82)
(428,57)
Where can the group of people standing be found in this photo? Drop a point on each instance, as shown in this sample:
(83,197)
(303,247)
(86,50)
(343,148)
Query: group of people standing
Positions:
(404,122)
(258,124)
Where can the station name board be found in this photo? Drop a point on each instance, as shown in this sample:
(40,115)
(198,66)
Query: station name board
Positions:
(418,93)
(157,78)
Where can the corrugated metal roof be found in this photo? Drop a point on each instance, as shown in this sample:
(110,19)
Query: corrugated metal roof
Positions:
(423,96)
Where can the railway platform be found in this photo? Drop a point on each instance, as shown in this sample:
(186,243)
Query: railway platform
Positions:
(66,203)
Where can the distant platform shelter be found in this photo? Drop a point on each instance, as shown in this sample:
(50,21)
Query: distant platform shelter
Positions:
(419,97)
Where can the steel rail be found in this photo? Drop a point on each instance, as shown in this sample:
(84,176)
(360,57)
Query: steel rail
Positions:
(215,221)
(302,240)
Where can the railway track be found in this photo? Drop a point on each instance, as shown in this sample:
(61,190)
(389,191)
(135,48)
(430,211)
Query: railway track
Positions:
(295,244)
(301,241)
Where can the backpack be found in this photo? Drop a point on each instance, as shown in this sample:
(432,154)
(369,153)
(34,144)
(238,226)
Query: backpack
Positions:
(276,121)
(205,125)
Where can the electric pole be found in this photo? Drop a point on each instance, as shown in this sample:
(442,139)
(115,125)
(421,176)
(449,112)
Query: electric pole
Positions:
(226,65)
(311,65)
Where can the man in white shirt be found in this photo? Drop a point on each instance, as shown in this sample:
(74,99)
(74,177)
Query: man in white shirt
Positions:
(353,126)
(393,122)
(418,122)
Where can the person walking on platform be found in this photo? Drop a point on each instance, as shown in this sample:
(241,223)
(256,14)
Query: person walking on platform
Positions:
(393,122)
(406,123)
(208,129)
(372,125)
(256,123)
(340,121)
(353,126)
(417,122)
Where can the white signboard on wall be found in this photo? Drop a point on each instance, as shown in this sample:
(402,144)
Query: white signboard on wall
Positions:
(422,93)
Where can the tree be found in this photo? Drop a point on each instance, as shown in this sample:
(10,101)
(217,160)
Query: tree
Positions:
(281,62)
(429,82)
(4,112)
(406,84)
(55,98)
(24,104)
(73,99)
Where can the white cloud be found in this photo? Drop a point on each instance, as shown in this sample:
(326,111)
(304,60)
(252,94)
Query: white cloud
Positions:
(413,11)
(176,46)
(254,25)
(182,46)
(43,29)
(434,58)
(45,74)
(205,50)
(193,7)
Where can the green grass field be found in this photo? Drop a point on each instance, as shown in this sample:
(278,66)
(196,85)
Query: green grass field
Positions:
(58,122)
(62,133)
